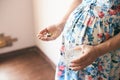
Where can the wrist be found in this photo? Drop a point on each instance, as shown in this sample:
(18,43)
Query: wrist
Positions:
(60,25)
(96,51)
(100,50)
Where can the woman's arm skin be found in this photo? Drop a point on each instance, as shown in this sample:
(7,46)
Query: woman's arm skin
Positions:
(91,53)
(110,45)
(56,29)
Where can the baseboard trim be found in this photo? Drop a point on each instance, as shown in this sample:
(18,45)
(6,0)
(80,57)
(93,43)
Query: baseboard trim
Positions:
(16,52)
(33,48)
(45,57)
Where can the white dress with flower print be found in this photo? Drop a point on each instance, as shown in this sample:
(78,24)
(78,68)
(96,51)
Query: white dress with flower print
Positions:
(91,23)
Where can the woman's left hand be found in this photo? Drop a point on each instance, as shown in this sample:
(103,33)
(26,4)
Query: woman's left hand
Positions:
(89,55)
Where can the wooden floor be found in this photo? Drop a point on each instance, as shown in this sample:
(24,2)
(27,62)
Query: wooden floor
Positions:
(25,65)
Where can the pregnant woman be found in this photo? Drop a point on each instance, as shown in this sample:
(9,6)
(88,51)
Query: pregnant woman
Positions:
(93,28)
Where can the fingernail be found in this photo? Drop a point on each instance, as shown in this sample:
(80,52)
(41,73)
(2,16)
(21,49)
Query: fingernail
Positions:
(70,69)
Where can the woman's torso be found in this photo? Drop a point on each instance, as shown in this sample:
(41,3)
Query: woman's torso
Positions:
(93,22)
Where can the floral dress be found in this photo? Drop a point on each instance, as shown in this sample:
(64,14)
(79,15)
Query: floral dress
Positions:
(91,23)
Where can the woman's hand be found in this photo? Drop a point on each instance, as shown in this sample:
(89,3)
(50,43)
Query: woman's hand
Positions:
(89,55)
(51,32)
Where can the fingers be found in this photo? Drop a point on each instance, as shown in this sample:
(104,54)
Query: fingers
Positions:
(45,35)
(82,56)
(80,59)
(80,47)
(74,64)
(79,66)
(47,38)
(77,48)
(43,31)
(84,60)
(80,62)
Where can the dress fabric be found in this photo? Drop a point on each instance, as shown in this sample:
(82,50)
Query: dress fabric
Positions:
(91,23)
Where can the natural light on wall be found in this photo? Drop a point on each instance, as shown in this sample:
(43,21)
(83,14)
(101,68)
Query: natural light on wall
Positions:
(53,10)
(48,12)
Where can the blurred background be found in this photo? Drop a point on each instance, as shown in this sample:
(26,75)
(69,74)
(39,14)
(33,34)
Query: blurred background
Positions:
(20,22)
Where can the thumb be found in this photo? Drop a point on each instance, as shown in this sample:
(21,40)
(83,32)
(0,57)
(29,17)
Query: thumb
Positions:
(78,47)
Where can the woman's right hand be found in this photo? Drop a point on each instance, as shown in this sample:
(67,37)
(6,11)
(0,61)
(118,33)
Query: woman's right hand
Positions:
(51,32)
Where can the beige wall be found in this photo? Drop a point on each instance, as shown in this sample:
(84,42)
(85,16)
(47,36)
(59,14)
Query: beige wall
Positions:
(47,12)
(16,19)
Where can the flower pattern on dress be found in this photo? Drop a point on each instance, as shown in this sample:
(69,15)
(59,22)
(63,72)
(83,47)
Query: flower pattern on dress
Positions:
(91,23)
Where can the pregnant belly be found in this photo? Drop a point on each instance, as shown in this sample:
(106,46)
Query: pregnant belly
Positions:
(91,30)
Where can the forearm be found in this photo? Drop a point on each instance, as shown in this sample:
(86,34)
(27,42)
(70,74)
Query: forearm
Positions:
(74,4)
(109,45)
